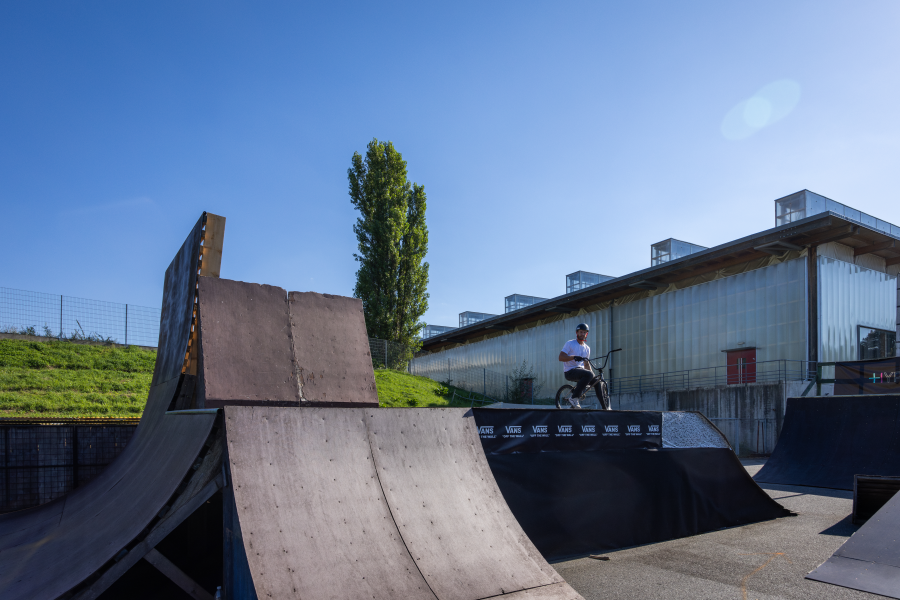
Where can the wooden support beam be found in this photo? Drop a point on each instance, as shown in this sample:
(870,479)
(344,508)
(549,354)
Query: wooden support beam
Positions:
(875,248)
(892,261)
(213,240)
(559,309)
(836,235)
(178,577)
(156,535)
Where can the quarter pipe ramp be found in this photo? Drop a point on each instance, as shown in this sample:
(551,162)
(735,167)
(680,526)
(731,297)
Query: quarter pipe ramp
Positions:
(870,559)
(83,542)
(825,441)
(374,503)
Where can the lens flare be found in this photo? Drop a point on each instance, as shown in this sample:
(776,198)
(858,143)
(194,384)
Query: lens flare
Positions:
(769,105)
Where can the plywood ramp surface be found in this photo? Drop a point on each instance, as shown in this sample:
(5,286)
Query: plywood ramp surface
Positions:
(312,515)
(47,550)
(331,349)
(245,339)
(376,503)
(448,507)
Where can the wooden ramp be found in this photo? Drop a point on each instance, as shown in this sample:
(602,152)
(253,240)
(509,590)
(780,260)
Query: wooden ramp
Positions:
(80,544)
(371,503)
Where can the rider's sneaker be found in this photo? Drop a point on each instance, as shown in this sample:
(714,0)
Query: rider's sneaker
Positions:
(574,403)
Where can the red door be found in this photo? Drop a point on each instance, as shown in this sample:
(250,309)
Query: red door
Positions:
(741,366)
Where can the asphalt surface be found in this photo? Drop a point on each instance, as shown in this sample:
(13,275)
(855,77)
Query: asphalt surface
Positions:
(761,561)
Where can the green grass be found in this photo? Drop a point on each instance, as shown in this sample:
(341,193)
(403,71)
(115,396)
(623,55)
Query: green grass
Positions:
(396,389)
(62,379)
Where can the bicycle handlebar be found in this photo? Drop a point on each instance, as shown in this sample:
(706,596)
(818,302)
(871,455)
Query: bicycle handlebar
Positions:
(591,360)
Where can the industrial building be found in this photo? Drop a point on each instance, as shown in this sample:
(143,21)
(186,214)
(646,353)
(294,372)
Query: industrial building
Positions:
(820,286)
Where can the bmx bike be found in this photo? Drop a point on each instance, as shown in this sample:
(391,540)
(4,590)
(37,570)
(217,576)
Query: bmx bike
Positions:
(564,394)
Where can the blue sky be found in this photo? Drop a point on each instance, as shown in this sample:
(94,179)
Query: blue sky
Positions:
(550,137)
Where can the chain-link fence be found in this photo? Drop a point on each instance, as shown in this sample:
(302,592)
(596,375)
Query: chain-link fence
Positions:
(51,315)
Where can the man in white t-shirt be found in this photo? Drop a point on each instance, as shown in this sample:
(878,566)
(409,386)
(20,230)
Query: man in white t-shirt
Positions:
(573,369)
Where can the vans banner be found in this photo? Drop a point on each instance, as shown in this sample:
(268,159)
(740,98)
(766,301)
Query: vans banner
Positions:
(507,431)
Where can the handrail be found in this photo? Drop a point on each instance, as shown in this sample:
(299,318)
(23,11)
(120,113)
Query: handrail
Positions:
(758,372)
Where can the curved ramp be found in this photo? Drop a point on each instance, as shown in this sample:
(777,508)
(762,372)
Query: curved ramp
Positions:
(69,545)
(870,560)
(825,441)
(376,503)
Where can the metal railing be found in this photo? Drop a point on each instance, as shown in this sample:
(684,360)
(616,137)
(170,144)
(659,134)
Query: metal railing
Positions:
(65,317)
(761,372)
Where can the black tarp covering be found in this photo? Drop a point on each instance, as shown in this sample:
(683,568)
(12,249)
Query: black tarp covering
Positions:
(615,491)
(870,560)
(574,503)
(826,441)
(524,430)
(867,377)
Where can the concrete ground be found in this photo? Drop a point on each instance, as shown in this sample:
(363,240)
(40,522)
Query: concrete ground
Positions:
(760,561)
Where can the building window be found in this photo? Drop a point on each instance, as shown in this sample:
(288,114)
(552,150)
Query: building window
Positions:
(741,366)
(876,343)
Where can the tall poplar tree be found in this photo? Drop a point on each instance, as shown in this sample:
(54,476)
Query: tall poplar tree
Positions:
(393,240)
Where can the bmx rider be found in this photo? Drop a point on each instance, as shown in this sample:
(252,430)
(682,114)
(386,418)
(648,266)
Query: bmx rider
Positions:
(572,371)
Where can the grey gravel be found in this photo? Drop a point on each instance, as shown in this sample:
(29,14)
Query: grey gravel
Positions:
(690,430)
(760,561)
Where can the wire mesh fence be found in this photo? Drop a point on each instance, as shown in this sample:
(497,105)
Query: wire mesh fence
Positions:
(52,315)
(390,355)
(40,462)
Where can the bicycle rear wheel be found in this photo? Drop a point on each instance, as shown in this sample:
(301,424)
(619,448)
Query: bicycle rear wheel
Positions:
(562,396)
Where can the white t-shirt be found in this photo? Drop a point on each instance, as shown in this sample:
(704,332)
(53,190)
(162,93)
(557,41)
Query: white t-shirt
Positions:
(573,348)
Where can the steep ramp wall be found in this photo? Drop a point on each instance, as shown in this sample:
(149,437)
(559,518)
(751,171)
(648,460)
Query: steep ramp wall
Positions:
(379,503)
(825,441)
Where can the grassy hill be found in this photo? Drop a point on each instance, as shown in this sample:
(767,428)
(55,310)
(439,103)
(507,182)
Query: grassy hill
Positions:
(63,379)
(396,389)
(73,380)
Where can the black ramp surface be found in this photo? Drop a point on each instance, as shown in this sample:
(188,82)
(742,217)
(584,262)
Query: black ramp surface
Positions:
(825,441)
(870,559)
(376,503)
(573,503)
(178,305)
(312,515)
(448,508)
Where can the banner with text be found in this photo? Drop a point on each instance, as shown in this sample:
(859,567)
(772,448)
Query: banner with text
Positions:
(506,431)
(867,377)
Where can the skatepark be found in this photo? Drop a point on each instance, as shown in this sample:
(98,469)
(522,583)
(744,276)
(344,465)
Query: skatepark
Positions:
(322,494)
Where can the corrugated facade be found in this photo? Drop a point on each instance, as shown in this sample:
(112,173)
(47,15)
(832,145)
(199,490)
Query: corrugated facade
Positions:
(691,328)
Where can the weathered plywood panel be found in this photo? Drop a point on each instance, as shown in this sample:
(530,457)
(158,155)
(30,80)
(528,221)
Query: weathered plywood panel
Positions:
(331,350)
(313,519)
(447,506)
(177,307)
(245,339)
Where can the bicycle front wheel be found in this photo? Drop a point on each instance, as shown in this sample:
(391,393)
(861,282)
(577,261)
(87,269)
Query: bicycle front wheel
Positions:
(562,396)
(604,398)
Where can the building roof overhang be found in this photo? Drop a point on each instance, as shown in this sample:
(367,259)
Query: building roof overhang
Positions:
(809,232)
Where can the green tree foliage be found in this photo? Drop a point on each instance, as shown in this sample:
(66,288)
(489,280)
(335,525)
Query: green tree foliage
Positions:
(393,240)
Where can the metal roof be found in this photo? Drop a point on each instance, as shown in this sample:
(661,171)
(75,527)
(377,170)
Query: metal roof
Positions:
(812,231)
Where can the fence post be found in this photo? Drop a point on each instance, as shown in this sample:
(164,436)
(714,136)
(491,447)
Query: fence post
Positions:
(74,456)
(60,316)
(385,355)
(484,383)
(126,324)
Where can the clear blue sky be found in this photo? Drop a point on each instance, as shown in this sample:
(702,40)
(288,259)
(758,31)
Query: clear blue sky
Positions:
(539,130)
